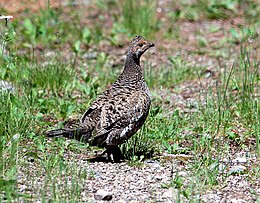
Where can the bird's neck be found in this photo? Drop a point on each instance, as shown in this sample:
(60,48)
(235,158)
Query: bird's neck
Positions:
(132,75)
(132,65)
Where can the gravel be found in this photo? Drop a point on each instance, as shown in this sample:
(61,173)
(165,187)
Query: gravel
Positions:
(131,183)
(148,181)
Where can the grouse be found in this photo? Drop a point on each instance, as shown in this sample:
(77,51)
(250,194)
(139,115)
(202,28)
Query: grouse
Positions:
(119,112)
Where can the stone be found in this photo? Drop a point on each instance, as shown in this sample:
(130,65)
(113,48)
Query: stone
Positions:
(237,169)
(234,200)
(182,173)
(6,86)
(103,195)
(157,177)
(240,160)
(171,194)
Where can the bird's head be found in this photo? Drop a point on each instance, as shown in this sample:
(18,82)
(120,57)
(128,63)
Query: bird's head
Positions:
(138,46)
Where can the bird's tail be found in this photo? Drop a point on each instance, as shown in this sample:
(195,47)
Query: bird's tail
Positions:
(80,134)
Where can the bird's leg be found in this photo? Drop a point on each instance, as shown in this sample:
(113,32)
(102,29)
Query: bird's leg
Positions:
(114,154)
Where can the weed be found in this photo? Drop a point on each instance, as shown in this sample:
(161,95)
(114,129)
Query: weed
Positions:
(15,123)
(178,71)
(139,17)
(205,9)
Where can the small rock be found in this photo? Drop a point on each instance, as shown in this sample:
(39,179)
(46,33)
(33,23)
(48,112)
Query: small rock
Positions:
(221,168)
(237,169)
(225,160)
(121,201)
(129,179)
(103,195)
(234,200)
(171,194)
(208,73)
(6,86)
(158,177)
(90,55)
(22,188)
(240,160)
(182,173)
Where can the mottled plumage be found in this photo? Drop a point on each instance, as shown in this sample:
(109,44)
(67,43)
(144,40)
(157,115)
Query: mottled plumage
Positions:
(120,111)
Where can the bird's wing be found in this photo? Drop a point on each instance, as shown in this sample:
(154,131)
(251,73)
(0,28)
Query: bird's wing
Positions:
(121,115)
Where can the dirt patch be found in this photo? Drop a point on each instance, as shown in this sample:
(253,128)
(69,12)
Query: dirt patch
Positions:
(14,7)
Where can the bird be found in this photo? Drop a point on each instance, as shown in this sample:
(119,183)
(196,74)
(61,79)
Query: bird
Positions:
(119,112)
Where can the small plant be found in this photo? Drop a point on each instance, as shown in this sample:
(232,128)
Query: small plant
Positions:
(210,9)
(42,28)
(139,17)
(15,122)
(177,71)
(217,9)
(7,54)
(138,148)
(53,76)
(30,30)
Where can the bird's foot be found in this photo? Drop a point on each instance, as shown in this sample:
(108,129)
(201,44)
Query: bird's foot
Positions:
(111,154)
(114,154)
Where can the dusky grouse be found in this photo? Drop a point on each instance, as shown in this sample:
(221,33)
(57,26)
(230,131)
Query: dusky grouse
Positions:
(119,112)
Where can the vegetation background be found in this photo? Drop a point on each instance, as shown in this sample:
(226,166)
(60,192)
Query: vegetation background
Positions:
(57,56)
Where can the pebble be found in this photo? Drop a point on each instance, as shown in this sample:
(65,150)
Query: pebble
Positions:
(237,169)
(171,195)
(234,200)
(158,177)
(103,195)
(240,160)
(6,86)
(90,55)
(182,173)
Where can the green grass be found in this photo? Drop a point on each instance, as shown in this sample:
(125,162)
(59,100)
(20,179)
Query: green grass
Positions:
(224,114)
(15,123)
(212,9)
(50,88)
(139,17)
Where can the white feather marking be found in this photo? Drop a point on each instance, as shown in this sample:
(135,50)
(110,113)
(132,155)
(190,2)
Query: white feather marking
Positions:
(126,130)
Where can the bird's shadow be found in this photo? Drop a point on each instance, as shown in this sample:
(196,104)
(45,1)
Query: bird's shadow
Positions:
(101,159)
(98,159)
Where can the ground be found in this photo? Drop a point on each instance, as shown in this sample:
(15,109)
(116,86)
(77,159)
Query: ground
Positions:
(201,140)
